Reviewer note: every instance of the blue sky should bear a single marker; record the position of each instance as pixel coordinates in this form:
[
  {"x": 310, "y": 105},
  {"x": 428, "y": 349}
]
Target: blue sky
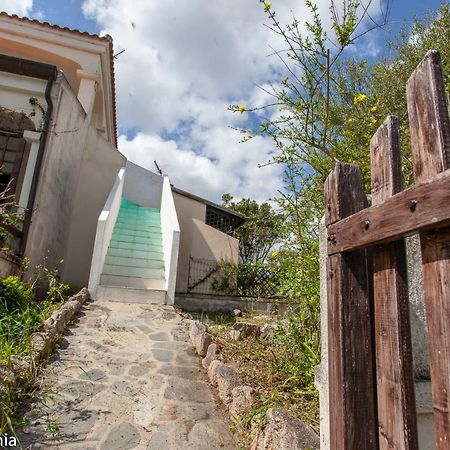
[{"x": 185, "y": 61}]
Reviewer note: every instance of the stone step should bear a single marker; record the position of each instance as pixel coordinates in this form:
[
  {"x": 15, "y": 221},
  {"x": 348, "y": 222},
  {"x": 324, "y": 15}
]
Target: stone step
[
  {"x": 130, "y": 295},
  {"x": 132, "y": 282},
  {"x": 144, "y": 272},
  {"x": 134, "y": 262}
]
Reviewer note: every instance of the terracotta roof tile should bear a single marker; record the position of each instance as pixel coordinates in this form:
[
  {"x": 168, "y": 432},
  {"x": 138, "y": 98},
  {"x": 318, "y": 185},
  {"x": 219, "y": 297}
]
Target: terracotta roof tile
[
  {"x": 54, "y": 26},
  {"x": 106, "y": 38}
]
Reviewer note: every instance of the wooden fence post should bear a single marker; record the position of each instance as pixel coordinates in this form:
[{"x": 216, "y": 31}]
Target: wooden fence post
[
  {"x": 353, "y": 416},
  {"x": 395, "y": 381},
  {"x": 430, "y": 139}
]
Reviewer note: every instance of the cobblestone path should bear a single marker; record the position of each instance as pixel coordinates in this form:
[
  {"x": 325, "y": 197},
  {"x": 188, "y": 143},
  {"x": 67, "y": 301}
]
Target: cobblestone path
[{"x": 125, "y": 378}]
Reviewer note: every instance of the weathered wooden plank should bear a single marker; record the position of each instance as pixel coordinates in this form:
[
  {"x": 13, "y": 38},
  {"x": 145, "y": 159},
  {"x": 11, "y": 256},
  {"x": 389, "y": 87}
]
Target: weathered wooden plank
[
  {"x": 430, "y": 139},
  {"x": 428, "y": 118},
  {"x": 353, "y": 422},
  {"x": 422, "y": 207},
  {"x": 395, "y": 384}
]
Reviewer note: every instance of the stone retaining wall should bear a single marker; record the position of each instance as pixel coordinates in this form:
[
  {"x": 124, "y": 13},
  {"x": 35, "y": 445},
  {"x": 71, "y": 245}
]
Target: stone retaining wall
[
  {"x": 280, "y": 431},
  {"x": 224, "y": 304},
  {"x": 43, "y": 343}
]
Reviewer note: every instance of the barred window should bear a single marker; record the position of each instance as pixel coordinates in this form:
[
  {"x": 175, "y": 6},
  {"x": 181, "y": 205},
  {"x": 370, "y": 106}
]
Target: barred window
[{"x": 220, "y": 220}]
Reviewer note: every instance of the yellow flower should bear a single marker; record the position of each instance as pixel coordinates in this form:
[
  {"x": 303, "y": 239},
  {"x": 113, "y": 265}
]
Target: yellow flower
[
  {"x": 373, "y": 121},
  {"x": 359, "y": 98},
  {"x": 267, "y": 6},
  {"x": 350, "y": 120},
  {"x": 274, "y": 254},
  {"x": 241, "y": 109},
  {"x": 373, "y": 109}
]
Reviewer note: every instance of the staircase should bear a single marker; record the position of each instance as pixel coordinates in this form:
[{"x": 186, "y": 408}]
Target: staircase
[{"x": 134, "y": 263}]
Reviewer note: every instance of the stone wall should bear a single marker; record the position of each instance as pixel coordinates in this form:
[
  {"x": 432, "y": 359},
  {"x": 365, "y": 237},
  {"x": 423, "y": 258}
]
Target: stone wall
[
  {"x": 225, "y": 304},
  {"x": 279, "y": 430},
  {"x": 419, "y": 342},
  {"x": 9, "y": 263}
]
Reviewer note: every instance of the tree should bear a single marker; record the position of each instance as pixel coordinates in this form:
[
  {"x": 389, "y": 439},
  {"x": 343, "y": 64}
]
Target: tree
[
  {"x": 261, "y": 231},
  {"x": 329, "y": 105}
]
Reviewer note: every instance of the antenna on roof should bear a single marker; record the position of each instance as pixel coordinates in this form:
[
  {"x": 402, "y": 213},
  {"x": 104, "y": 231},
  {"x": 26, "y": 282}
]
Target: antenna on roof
[
  {"x": 157, "y": 167},
  {"x": 118, "y": 54}
]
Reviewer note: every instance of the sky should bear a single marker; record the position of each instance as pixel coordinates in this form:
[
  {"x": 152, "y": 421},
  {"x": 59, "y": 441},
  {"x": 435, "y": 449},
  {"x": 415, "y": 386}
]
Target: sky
[{"x": 184, "y": 62}]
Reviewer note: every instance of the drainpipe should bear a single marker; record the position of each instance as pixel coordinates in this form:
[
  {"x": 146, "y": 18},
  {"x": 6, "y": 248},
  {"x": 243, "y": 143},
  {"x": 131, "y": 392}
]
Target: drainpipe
[
  {"x": 39, "y": 159},
  {"x": 42, "y": 71}
]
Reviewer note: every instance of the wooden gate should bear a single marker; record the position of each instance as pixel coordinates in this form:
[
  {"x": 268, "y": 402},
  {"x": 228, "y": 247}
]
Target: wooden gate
[{"x": 370, "y": 359}]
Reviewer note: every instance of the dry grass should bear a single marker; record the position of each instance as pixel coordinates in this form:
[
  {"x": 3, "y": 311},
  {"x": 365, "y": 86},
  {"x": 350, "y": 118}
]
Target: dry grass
[{"x": 280, "y": 369}]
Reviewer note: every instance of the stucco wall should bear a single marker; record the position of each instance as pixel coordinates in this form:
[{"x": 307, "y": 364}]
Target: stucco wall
[
  {"x": 198, "y": 239},
  {"x": 56, "y": 192},
  {"x": 171, "y": 239},
  {"x": 100, "y": 165},
  {"x": 187, "y": 209},
  {"x": 210, "y": 243},
  {"x": 142, "y": 186},
  {"x": 16, "y": 92}
]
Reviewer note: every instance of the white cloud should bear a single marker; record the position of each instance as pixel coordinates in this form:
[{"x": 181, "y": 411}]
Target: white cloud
[
  {"x": 184, "y": 63},
  {"x": 224, "y": 166},
  {"x": 19, "y": 7}
]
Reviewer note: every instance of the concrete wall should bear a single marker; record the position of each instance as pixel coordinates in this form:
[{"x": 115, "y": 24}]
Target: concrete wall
[
  {"x": 85, "y": 61},
  {"x": 60, "y": 172},
  {"x": 104, "y": 230},
  {"x": 170, "y": 239},
  {"x": 100, "y": 164},
  {"x": 16, "y": 92},
  {"x": 187, "y": 209},
  {"x": 78, "y": 171},
  {"x": 419, "y": 341},
  {"x": 142, "y": 186},
  {"x": 210, "y": 243},
  {"x": 198, "y": 239}
]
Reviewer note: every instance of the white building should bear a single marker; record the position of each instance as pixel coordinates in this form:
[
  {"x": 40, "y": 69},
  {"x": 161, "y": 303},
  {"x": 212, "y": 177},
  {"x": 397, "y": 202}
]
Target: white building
[{"x": 115, "y": 224}]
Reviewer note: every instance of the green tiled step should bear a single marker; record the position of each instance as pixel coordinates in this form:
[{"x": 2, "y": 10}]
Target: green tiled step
[
  {"x": 109, "y": 269},
  {"x": 135, "y": 252},
  {"x": 139, "y": 226},
  {"x": 125, "y": 203},
  {"x": 153, "y": 247},
  {"x": 153, "y": 227},
  {"x": 139, "y": 214},
  {"x": 120, "y": 231},
  {"x": 134, "y": 207},
  {"x": 136, "y": 220},
  {"x": 146, "y": 240},
  {"x": 134, "y": 262},
  {"x": 130, "y": 253}
]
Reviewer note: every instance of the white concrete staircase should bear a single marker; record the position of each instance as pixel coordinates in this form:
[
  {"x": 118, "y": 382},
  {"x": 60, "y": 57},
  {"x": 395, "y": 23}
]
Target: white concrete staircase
[{"x": 133, "y": 270}]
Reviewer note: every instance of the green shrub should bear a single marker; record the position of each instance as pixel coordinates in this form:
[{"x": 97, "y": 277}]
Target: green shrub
[{"x": 14, "y": 294}]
